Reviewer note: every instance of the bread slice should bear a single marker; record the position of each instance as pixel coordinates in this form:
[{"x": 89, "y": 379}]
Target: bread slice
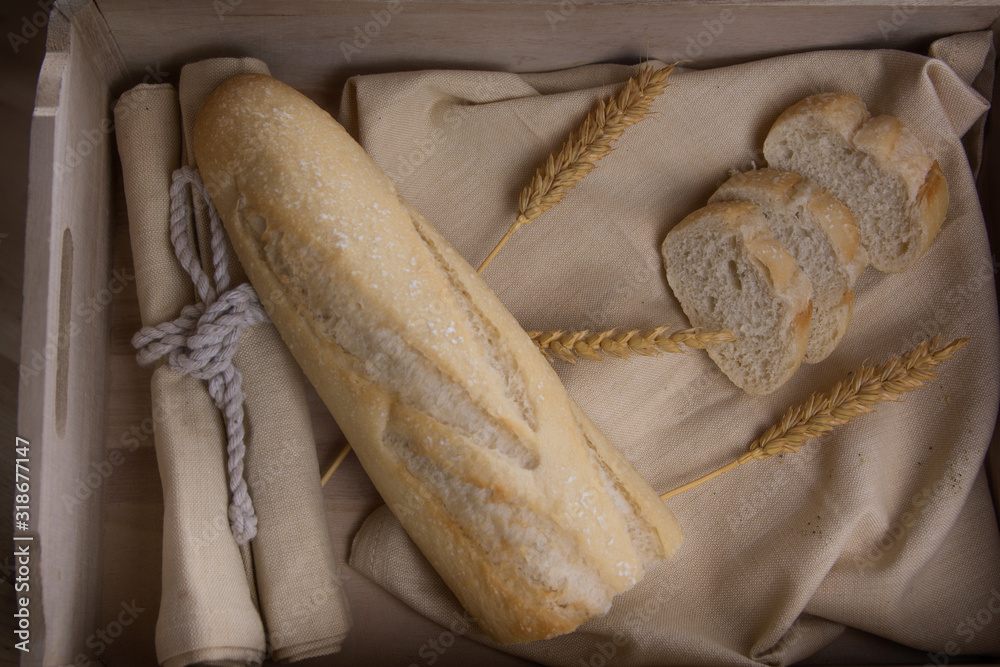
[
  {"x": 821, "y": 235},
  {"x": 728, "y": 272},
  {"x": 896, "y": 191}
]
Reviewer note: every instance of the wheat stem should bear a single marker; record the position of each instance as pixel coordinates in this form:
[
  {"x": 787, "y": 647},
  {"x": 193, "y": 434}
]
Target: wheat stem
[
  {"x": 589, "y": 143},
  {"x": 701, "y": 480},
  {"x": 336, "y": 464},
  {"x": 849, "y": 398},
  {"x": 499, "y": 246},
  {"x": 572, "y": 345}
]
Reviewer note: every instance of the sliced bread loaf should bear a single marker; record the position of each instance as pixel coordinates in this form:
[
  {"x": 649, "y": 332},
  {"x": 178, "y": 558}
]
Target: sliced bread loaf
[
  {"x": 728, "y": 272},
  {"x": 820, "y": 233},
  {"x": 876, "y": 166}
]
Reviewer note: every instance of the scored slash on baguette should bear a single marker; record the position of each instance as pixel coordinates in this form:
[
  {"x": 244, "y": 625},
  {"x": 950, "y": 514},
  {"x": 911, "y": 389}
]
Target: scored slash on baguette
[
  {"x": 820, "y": 233},
  {"x": 728, "y": 272},
  {"x": 876, "y": 166}
]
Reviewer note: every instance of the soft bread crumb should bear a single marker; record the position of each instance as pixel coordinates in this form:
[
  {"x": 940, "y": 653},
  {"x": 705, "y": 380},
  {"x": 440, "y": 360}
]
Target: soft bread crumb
[
  {"x": 728, "y": 272},
  {"x": 820, "y": 233},
  {"x": 876, "y": 166}
]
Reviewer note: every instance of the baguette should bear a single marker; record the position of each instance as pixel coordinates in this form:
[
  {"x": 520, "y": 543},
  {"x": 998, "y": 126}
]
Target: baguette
[
  {"x": 518, "y": 501},
  {"x": 876, "y": 166},
  {"x": 728, "y": 272},
  {"x": 821, "y": 235}
]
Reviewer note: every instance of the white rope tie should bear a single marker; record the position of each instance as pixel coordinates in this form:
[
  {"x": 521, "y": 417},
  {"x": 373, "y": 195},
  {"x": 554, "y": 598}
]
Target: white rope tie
[{"x": 202, "y": 341}]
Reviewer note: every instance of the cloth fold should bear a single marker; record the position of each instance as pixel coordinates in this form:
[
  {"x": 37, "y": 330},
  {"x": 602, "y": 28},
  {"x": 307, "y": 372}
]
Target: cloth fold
[{"x": 887, "y": 525}]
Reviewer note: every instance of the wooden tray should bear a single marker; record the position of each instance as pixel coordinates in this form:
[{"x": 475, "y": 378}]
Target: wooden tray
[{"x": 85, "y": 403}]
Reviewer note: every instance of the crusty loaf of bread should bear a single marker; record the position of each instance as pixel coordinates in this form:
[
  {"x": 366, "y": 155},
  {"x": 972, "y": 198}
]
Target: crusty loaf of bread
[
  {"x": 728, "y": 272},
  {"x": 518, "y": 501},
  {"x": 820, "y": 233},
  {"x": 876, "y": 166}
]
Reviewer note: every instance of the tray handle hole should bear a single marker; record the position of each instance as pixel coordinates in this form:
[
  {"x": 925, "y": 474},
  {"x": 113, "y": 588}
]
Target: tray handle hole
[{"x": 63, "y": 337}]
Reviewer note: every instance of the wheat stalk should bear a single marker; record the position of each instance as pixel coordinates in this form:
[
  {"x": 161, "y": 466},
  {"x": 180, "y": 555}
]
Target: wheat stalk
[
  {"x": 579, "y": 155},
  {"x": 336, "y": 464},
  {"x": 572, "y": 345},
  {"x": 846, "y": 400}
]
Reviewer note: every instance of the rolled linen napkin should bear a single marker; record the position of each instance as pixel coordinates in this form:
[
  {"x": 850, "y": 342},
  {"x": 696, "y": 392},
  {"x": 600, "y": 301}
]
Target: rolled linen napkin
[
  {"x": 301, "y": 600},
  {"x": 207, "y": 611}
]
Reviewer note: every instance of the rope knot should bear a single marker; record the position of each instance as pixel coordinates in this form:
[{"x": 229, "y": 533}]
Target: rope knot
[{"x": 203, "y": 339}]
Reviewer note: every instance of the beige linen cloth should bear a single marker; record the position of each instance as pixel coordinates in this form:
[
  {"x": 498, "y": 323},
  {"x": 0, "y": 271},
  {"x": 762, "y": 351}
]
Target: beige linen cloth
[
  {"x": 211, "y": 586},
  {"x": 887, "y": 525}
]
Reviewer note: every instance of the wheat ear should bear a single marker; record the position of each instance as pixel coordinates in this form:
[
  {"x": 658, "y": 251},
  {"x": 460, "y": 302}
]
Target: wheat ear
[
  {"x": 848, "y": 399},
  {"x": 572, "y": 345},
  {"x": 579, "y": 155}
]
